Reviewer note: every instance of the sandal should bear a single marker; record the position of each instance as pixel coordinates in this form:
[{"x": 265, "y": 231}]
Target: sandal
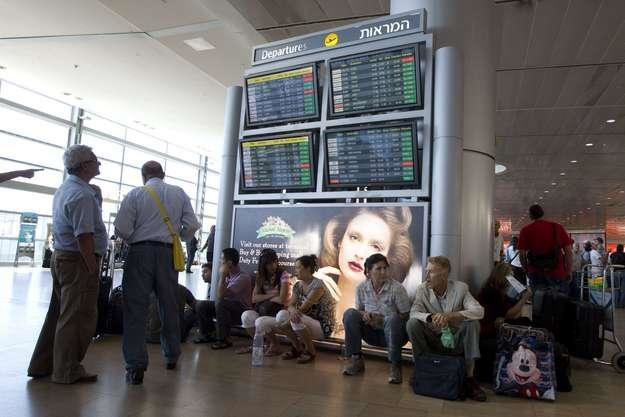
[
  {"x": 243, "y": 350},
  {"x": 306, "y": 357},
  {"x": 291, "y": 354},
  {"x": 272, "y": 351},
  {"x": 222, "y": 344}
]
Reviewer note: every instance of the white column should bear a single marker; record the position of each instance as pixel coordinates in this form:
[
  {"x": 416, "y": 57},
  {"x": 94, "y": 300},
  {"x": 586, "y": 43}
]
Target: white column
[
  {"x": 467, "y": 25},
  {"x": 223, "y": 225}
]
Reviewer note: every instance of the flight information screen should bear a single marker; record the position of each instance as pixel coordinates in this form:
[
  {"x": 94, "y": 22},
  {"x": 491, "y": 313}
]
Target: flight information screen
[
  {"x": 372, "y": 156},
  {"x": 277, "y": 163},
  {"x": 282, "y": 96},
  {"x": 373, "y": 82}
]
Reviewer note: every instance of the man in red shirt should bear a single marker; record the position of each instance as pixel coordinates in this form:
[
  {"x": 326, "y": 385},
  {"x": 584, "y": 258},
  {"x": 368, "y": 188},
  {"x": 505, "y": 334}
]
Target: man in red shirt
[{"x": 546, "y": 252}]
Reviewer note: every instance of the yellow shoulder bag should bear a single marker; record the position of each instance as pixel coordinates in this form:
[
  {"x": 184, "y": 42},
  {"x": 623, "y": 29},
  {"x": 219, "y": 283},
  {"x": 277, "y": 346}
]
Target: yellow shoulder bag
[{"x": 179, "y": 262}]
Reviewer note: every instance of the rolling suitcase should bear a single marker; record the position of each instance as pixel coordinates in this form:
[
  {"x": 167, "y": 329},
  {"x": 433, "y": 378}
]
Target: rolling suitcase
[
  {"x": 525, "y": 365},
  {"x": 586, "y": 320},
  {"x": 549, "y": 311}
]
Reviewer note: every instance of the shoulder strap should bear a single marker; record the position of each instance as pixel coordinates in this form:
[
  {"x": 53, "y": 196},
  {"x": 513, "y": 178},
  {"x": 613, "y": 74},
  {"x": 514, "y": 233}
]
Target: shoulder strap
[{"x": 161, "y": 208}]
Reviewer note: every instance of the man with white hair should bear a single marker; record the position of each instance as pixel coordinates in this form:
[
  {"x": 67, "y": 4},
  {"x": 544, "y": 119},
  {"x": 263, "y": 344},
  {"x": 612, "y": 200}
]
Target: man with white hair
[{"x": 80, "y": 240}]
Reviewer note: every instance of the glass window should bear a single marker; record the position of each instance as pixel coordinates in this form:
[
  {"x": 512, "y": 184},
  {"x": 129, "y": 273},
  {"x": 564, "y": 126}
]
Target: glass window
[
  {"x": 212, "y": 180},
  {"x": 20, "y": 201},
  {"x": 136, "y": 157},
  {"x": 110, "y": 190},
  {"x": 211, "y": 195},
  {"x": 147, "y": 141},
  {"x": 210, "y": 210},
  {"x": 103, "y": 125},
  {"x": 184, "y": 154},
  {"x": 36, "y": 101},
  {"x": 110, "y": 170},
  {"x": 181, "y": 170},
  {"x": 104, "y": 148},
  {"x": 132, "y": 176},
  {"x": 33, "y": 127},
  {"x": 25, "y": 150}
]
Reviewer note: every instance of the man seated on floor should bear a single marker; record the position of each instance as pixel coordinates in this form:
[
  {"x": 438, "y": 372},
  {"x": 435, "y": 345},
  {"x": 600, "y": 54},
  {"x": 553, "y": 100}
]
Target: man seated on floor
[
  {"x": 186, "y": 316},
  {"x": 440, "y": 303},
  {"x": 382, "y": 307},
  {"x": 207, "y": 272},
  {"x": 234, "y": 296}
]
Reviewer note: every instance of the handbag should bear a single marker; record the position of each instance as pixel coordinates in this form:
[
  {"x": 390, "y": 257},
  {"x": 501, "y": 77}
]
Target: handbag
[
  {"x": 439, "y": 376},
  {"x": 178, "y": 254}
]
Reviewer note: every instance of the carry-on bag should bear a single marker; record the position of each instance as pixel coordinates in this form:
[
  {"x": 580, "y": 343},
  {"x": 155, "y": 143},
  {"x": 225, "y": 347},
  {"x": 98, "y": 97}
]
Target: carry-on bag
[
  {"x": 439, "y": 376},
  {"x": 525, "y": 364},
  {"x": 549, "y": 309},
  {"x": 586, "y": 319}
]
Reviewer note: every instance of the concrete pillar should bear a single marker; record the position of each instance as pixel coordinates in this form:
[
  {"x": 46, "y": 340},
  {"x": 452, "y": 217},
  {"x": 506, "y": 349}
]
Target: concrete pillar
[
  {"x": 467, "y": 25},
  {"x": 223, "y": 224}
]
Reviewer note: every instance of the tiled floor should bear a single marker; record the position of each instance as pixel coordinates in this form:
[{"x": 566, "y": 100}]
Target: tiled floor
[{"x": 220, "y": 383}]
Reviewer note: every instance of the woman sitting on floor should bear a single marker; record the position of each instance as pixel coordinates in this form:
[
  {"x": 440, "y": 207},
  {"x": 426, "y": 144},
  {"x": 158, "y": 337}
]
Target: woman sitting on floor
[
  {"x": 272, "y": 293},
  {"x": 310, "y": 315}
]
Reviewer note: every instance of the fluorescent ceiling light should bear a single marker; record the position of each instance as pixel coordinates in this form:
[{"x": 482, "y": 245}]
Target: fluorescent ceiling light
[
  {"x": 199, "y": 44},
  {"x": 562, "y": 173},
  {"x": 499, "y": 169},
  {"x": 610, "y": 121},
  {"x": 589, "y": 144},
  {"x": 574, "y": 161}
]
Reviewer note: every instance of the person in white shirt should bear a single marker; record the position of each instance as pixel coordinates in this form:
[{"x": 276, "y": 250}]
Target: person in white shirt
[
  {"x": 596, "y": 260},
  {"x": 442, "y": 303},
  {"x": 514, "y": 259},
  {"x": 149, "y": 266}
]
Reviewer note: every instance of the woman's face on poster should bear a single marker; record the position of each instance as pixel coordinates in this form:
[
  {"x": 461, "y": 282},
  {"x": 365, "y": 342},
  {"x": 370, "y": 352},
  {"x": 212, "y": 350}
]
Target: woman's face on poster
[{"x": 365, "y": 235}]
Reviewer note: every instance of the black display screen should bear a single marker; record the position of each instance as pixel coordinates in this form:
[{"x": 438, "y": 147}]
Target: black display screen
[
  {"x": 372, "y": 156},
  {"x": 277, "y": 163},
  {"x": 374, "y": 82},
  {"x": 289, "y": 95}
]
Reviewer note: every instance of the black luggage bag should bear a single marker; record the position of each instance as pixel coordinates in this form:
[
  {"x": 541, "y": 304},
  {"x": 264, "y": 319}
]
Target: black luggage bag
[
  {"x": 586, "y": 336},
  {"x": 549, "y": 311},
  {"x": 439, "y": 376}
]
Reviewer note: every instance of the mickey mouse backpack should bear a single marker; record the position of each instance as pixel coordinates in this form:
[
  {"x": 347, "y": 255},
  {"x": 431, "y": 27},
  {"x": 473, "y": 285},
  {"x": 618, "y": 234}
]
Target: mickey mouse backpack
[{"x": 525, "y": 364}]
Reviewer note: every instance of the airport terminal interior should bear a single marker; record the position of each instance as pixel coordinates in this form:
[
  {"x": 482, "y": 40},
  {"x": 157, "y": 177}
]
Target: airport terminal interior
[{"x": 281, "y": 119}]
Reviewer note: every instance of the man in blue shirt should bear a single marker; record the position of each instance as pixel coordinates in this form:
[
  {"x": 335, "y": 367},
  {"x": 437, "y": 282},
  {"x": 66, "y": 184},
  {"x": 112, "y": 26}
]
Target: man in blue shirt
[{"x": 79, "y": 242}]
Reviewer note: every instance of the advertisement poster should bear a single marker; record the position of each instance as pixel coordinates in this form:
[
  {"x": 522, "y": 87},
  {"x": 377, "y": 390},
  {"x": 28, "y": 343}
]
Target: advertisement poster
[{"x": 341, "y": 236}]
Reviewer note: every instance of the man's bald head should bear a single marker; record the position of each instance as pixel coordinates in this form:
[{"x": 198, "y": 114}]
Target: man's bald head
[{"x": 152, "y": 169}]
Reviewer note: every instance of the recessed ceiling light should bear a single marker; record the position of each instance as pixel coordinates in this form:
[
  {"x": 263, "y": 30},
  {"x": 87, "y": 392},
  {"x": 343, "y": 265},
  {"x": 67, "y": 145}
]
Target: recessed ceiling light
[
  {"x": 499, "y": 169},
  {"x": 199, "y": 44},
  {"x": 610, "y": 121},
  {"x": 540, "y": 198},
  {"x": 622, "y": 191},
  {"x": 574, "y": 161},
  {"x": 597, "y": 204},
  {"x": 589, "y": 144},
  {"x": 563, "y": 173},
  {"x": 546, "y": 191},
  {"x": 609, "y": 198},
  {"x": 553, "y": 183}
]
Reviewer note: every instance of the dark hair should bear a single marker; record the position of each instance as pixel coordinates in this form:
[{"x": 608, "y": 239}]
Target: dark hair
[
  {"x": 599, "y": 239},
  {"x": 513, "y": 242},
  {"x": 374, "y": 259},
  {"x": 536, "y": 212},
  {"x": 587, "y": 246},
  {"x": 308, "y": 262},
  {"x": 267, "y": 256},
  {"x": 619, "y": 247},
  {"x": 497, "y": 280},
  {"x": 208, "y": 265},
  {"x": 231, "y": 254}
]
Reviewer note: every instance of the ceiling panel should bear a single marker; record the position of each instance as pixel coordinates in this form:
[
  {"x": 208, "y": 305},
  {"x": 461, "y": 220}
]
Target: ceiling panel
[
  {"x": 515, "y": 31},
  {"x": 605, "y": 25},
  {"x": 546, "y": 23},
  {"x": 574, "y": 29}
]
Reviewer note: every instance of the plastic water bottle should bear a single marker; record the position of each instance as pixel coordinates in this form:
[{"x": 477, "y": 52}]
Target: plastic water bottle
[
  {"x": 447, "y": 338},
  {"x": 258, "y": 354}
]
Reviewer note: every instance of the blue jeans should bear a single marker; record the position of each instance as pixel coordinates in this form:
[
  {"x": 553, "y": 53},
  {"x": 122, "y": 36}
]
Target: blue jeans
[
  {"x": 147, "y": 269},
  {"x": 539, "y": 281},
  {"x": 393, "y": 335}
]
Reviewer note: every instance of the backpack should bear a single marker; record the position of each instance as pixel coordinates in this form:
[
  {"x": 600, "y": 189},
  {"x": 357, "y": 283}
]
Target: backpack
[{"x": 547, "y": 261}]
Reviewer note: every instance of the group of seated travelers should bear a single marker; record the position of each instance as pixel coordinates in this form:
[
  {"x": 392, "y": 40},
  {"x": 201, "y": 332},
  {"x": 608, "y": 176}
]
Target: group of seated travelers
[{"x": 302, "y": 309}]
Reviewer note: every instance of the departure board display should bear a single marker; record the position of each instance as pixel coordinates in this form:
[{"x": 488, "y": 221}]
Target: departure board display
[
  {"x": 374, "y": 82},
  {"x": 372, "y": 156},
  {"x": 277, "y": 163},
  {"x": 282, "y": 96}
]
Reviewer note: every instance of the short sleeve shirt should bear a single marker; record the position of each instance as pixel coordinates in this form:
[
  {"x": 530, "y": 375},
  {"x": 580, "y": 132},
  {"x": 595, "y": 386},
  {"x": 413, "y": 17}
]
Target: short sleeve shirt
[
  {"x": 537, "y": 238},
  {"x": 392, "y": 299},
  {"x": 76, "y": 211},
  {"x": 323, "y": 310}
]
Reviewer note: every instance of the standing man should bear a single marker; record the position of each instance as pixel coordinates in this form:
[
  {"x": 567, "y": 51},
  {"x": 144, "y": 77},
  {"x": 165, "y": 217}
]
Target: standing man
[
  {"x": 546, "y": 252},
  {"x": 79, "y": 242},
  {"x": 209, "y": 245},
  {"x": 149, "y": 265},
  {"x": 191, "y": 249},
  {"x": 497, "y": 244}
]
